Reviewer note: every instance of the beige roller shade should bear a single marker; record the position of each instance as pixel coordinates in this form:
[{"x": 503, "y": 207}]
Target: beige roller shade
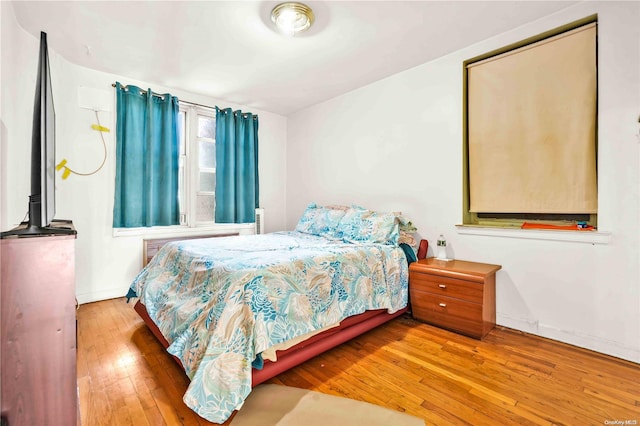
[{"x": 532, "y": 127}]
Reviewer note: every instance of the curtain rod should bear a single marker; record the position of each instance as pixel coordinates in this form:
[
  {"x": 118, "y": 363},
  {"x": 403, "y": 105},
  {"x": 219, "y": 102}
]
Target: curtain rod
[
  {"x": 124, "y": 86},
  {"x": 186, "y": 102}
]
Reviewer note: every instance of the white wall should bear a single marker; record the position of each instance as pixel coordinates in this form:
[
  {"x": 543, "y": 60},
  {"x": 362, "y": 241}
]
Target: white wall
[
  {"x": 397, "y": 145},
  {"x": 105, "y": 265},
  {"x": 15, "y": 118}
]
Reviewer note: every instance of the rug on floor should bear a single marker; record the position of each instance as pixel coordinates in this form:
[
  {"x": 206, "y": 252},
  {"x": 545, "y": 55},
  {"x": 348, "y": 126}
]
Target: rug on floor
[{"x": 271, "y": 405}]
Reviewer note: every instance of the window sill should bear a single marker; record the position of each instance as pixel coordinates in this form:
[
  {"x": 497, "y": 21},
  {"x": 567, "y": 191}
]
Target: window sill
[
  {"x": 589, "y": 237},
  {"x": 178, "y": 231}
]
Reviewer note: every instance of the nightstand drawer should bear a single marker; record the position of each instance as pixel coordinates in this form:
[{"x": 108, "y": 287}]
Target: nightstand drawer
[
  {"x": 458, "y": 295},
  {"x": 454, "y": 314},
  {"x": 444, "y": 286}
]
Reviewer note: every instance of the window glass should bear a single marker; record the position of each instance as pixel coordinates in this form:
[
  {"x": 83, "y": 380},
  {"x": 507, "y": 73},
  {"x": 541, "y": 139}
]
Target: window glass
[
  {"x": 207, "y": 154},
  {"x": 205, "y": 208},
  {"x": 182, "y": 116},
  {"x": 206, "y": 127},
  {"x": 196, "y": 167},
  {"x": 207, "y": 182},
  {"x": 182, "y": 200}
]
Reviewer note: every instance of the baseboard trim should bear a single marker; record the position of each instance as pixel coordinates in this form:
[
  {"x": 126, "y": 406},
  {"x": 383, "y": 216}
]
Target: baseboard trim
[
  {"x": 585, "y": 341},
  {"x": 97, "y": 296},
  {"x": 597, "y": 344}
]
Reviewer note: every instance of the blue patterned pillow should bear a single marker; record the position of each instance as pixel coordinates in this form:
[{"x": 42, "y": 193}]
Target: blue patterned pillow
[
  {"x": 365, "y": 226},
  {"x": 318, "y": 220}
]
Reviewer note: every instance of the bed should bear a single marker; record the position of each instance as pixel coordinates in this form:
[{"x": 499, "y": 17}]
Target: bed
[{"x": 236, "y": 311}]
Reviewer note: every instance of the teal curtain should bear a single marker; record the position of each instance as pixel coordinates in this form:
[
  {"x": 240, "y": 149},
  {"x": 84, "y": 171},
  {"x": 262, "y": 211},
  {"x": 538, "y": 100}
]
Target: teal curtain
[
  {"x": 237, "y": 189},
  {"x": 147, "y": 156}
]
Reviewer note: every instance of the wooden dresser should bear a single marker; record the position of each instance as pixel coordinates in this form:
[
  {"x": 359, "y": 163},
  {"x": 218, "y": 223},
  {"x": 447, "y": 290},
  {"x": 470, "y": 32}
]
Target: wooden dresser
[
  {"x": 39, "y": 380},
  {"x": 456, "y": 295}
]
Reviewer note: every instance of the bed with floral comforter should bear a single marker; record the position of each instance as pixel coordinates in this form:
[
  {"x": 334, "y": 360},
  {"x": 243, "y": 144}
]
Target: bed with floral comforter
[{"x": 220, "y": 302}]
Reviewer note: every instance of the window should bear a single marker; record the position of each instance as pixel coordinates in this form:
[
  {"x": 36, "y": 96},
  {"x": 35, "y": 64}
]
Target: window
[
  {"x": 530, "y": 119},
  {"x": 197, "y": 165},
  {"x": 198, "y": 173}
]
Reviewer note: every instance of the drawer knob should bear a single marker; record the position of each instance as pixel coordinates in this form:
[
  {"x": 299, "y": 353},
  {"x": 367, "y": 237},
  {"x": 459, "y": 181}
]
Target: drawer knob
[
  {"x": 443, "y": 305},
  {"x": 442, "y": 286}
]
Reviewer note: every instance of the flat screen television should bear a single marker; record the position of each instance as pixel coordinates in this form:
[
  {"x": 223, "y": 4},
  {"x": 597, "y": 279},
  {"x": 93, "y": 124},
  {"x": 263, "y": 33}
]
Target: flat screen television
[{"x": 42, "y": 204}]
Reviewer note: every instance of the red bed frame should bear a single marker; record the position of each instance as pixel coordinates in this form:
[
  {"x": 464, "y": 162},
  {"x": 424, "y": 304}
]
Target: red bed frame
[{"x": 347, "y": 330}]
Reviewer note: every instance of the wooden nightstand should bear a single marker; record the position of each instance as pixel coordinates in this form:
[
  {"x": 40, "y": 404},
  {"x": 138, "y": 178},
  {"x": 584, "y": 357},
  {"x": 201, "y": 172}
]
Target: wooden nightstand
[{"x": 456, "y": 295}]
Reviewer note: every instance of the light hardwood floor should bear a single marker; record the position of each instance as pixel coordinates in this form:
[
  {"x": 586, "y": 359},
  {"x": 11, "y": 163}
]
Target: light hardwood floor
[{"x": 126, "y": 378}]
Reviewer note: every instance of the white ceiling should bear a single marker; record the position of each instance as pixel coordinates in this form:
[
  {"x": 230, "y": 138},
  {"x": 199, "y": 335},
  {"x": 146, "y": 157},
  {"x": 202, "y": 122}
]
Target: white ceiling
[{"x": 230, "y": 51}]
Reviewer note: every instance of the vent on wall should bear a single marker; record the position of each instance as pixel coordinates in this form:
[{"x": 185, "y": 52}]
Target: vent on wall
[{"x": 259, "y": 221}]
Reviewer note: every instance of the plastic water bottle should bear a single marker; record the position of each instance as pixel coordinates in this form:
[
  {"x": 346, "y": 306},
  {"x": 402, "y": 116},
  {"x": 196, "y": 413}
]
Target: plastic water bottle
[{"x": 441, "y": 248}]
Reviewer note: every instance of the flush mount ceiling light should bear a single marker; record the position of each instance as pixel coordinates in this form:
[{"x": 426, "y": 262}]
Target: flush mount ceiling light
[{"x": 292, "y": 18}]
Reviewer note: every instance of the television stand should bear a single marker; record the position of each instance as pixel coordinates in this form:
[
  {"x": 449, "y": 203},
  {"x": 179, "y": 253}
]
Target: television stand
[
  {"x": 56, "y": 227},
  {"x": 38, "y": 329}
]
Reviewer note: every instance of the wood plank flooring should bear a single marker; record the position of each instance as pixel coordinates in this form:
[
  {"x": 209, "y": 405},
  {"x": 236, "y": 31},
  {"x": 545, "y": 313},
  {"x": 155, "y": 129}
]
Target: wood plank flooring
[{"x": 125, "y": 377}]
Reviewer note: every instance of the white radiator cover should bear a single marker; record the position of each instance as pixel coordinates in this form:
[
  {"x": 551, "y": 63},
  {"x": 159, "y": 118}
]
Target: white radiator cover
[{"x": 259, "y": 221}]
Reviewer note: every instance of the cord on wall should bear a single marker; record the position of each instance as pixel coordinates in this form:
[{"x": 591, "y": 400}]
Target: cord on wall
[{"x": 66, "y": 170}]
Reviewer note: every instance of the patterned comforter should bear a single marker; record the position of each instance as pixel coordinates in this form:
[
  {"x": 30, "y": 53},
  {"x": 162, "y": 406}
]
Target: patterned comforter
[{"x": 220, "y": 302}]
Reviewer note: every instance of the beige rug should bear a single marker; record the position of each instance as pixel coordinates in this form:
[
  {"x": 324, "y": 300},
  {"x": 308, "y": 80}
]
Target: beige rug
[{"x": 270, "y": 405}]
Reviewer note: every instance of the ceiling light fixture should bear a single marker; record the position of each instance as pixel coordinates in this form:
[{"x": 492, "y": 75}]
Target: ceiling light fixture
[{"x": 292, "y": 18}]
